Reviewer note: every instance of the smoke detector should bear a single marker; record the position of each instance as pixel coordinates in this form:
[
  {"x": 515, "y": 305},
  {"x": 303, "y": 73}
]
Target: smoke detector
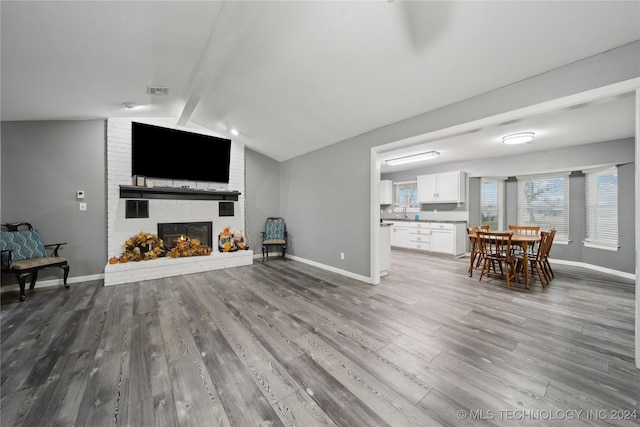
[{"x": 158, "y": 91}]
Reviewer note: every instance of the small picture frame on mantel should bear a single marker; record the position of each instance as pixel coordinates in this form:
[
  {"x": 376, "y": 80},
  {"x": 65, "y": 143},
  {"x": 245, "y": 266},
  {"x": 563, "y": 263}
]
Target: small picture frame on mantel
[{"x": 139, "y": 180}]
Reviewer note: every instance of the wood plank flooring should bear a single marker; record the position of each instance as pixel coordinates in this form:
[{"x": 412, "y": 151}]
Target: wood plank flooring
[{"x": 286, "y": 344}]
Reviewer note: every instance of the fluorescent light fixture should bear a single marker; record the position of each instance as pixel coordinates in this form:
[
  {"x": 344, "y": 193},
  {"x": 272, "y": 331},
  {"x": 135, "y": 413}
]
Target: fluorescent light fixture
[
  {"x": 413, "y": 158},
  {"x": 518, "y": 138}
]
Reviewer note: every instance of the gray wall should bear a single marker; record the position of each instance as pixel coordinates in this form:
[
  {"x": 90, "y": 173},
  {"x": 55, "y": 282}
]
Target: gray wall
[
  {"x": 572, "y": 159},
  {"x": 262, "y": 194},
  {"x": 326, "y": 193},
  {"x": 325, "y": 199},
  {"x": 43, "y": 165}
]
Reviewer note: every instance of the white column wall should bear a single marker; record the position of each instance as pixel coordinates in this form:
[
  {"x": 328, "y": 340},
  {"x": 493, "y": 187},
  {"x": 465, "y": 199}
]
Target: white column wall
[{"x": 119, "y": 228}]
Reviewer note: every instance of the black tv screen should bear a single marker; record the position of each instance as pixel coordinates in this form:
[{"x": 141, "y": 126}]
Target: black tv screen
[{"x": 165, "y": 153}]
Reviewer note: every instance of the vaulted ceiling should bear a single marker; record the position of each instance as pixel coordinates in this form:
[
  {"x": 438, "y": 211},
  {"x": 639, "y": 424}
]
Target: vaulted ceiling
[{"x": 290, "y": 76}]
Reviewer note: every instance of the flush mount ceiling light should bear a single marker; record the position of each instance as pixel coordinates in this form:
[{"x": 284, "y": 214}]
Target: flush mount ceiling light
[
  {"x": 128, "y": 105},
  {"x": 518, "y": 138},
  {"x": 413, "y": 158},
  {"x": 234, "y": 132}
]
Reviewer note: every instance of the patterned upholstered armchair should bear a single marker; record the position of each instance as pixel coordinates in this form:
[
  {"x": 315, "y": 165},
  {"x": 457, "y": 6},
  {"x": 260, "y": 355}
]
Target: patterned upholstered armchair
[
  {"x": 274, "y": 235},
  {"x": 22, "y": 253}
]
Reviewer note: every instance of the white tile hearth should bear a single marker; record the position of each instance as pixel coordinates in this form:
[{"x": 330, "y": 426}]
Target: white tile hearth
[{"x": 137, "y": 271}]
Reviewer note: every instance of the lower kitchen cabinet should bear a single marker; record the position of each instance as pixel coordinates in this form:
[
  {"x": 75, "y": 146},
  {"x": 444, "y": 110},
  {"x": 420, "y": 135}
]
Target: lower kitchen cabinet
[
  {"x": 400, "y": 234},
  {"x": 439, "y": 237},
  {"x": 419, "y": 236}
]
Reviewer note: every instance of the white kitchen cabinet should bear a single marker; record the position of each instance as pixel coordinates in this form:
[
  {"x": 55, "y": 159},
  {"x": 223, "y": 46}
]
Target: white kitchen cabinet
[
  {"x": 400, "y": 234},
  {"x": 438, "y": 237},
  {"x": 446, "y": 187},
  {"x": 410, "y": 235},
  {"x": 448, "y": 238},
  {"x": 386, "y": 192},
  {"x": 442, "y": 239},
  {"x": 427, "y": 188},
  {"x": 419, "y": 235}
]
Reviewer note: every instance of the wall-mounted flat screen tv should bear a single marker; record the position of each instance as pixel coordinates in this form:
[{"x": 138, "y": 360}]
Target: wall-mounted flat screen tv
[{"x": 165, "y": 153}]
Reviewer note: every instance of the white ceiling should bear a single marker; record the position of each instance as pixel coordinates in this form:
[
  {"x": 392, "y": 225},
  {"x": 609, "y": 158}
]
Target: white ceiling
[
  {"x": 295, "y": 76},
  {"x": 602, "y": 120}
]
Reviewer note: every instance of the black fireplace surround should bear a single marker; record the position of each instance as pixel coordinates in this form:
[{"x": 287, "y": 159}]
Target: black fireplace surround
[{"x": 170, "y": 232}]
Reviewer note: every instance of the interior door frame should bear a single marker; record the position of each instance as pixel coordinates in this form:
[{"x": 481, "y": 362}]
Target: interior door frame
[{"x": 621, "y": 88}]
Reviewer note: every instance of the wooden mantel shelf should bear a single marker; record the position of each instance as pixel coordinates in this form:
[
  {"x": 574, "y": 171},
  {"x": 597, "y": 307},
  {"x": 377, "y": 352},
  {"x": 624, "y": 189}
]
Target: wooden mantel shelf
[{"x": 135, "y": 192}]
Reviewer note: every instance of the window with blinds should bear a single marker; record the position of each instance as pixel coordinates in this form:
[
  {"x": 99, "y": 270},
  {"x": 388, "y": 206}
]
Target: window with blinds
[
  {"x": 601, "y": 197},
  {"x": 492, "y": 192},
  {"x": 543, "y": 200},
  {"x": 406, "y": 196}
]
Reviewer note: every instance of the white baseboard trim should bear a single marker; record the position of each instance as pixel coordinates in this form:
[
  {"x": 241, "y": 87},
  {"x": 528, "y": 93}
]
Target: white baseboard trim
[
  {"x": 79, "y": 279},
  {"x": 590, "y": 267},
  {"x": 332, "y": 269},
  {"x": 54, "y": 282},
  {"x": 595, "y": 268}
]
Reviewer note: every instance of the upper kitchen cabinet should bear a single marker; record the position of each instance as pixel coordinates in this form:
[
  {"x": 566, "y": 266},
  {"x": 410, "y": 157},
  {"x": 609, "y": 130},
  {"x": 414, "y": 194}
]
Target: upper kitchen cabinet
[
  {"x": 386, "y": 192},
  {"x": 446, "y": 187}
]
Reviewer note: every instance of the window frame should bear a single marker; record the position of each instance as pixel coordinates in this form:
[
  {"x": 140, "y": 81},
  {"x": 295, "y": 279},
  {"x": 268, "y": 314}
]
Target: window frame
[
  {"x": 524, "y": 209},
  {"x": 591, "y": 190},
  {"x": 400, "y": 207},
  {"x": 501, "y": 200}
]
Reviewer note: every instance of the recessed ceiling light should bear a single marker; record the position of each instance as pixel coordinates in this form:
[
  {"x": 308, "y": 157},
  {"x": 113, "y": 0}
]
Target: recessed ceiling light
[
  {"x": 128, "y": 105},
  {"x": 413, "y": 158},
  {"x": 518, "y": 138},
  {"x": 234, "y": 132}
]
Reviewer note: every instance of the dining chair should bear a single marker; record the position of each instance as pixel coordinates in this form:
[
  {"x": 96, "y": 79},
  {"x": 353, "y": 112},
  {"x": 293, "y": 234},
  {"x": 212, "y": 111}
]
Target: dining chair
[
  {"x": 536, "y": 260},
  {"x": 525, "y": 229},
  {"x": 474, "y": 258},
  {"x": 473, "y": 251},
  {"x": 495, "y": 249},
  {"x": 545, "y": 256}
]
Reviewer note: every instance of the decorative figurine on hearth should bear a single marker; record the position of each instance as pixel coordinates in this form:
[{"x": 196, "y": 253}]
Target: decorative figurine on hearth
[
  {"x": 239, "y": 241},
  {"x": 225, "y": 241}
]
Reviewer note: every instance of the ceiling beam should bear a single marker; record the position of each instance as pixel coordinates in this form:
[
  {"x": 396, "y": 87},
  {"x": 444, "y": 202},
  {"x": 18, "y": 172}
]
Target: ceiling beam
[{"x": 229, "y": 25}]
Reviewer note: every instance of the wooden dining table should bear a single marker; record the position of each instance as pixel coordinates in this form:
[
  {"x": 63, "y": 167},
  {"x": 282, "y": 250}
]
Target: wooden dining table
[{"x": 522, "y": 240}]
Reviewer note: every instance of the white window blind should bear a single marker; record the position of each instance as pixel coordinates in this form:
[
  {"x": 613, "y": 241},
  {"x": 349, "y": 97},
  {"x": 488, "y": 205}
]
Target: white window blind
[
  {"x": 406, "y": 196},
  {"x": 601, "y": 196},
  {"x": 543, "y": 200},
  {"x": 492, "y": 192}
]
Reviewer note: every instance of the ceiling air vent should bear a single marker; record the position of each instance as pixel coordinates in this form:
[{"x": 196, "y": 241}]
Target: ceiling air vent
[{"x": 160, "y": 91}]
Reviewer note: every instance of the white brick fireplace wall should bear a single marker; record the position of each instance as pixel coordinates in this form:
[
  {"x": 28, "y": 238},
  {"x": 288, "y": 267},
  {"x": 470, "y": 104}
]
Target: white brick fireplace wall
[{"x": 119, "y": 228}]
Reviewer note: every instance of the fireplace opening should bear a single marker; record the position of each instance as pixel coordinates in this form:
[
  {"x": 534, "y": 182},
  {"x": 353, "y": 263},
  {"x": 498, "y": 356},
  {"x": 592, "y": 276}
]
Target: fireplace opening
[{"x": 171, "y": 232}]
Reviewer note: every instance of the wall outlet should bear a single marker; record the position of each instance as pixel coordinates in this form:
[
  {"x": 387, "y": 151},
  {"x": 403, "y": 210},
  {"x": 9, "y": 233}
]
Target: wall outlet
[
  {"x": 82, "y": 206},
  {"x": 341, "y": 255}
]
